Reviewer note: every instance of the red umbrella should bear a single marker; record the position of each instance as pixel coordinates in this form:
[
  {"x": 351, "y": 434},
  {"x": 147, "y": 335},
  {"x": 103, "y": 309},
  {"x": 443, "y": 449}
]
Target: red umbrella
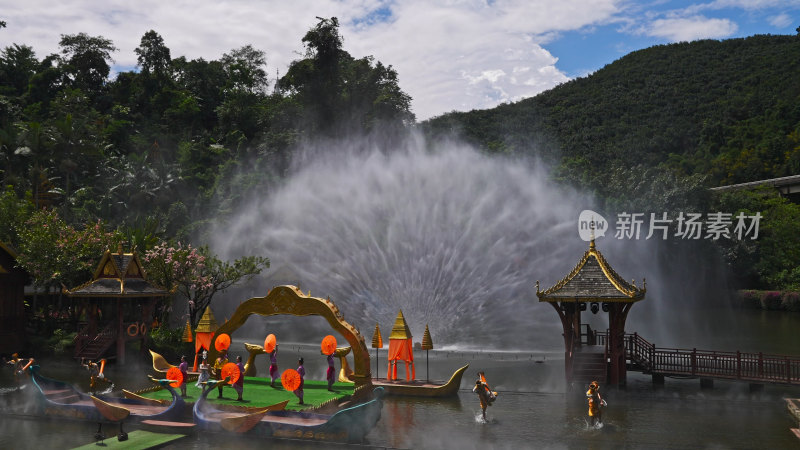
[
  {"x": 269, "y": 343},
  {"x": 231, "y": 370},
  {"x": 290, "y": 379},
  {"x": 328, "y": 345},
  {"x": 223, "y": 342},
  {"x": 175, "y": 374}
]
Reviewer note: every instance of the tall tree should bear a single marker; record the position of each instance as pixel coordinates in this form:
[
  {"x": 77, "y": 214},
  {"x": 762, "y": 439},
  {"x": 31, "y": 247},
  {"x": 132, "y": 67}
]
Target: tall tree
[
  {"x": 153, "y": 56},
  {"x": 246, "y": 70},
  {"x": 336, "y": 90},
  {"x": 87, "y": 60},
  {"x": 18, "y": 63}
]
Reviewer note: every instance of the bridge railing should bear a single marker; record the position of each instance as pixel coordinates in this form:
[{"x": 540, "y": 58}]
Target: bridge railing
[{"x": 747, "y": 366}]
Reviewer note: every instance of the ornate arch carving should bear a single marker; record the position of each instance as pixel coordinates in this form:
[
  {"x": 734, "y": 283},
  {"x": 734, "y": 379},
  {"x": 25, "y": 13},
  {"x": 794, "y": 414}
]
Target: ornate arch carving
[{"x": 291, "y": 300}]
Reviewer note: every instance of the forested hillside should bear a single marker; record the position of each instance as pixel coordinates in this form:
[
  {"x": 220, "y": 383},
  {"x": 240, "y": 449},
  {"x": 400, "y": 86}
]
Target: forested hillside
[
  {"x": 655, "y": 129},
  {"x": 726, "y": 109}
]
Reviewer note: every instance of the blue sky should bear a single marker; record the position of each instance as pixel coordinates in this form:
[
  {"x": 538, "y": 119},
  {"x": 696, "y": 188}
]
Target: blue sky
[
  {"x": 449, "y": 54},
  {"x": 589, "y": 48}
]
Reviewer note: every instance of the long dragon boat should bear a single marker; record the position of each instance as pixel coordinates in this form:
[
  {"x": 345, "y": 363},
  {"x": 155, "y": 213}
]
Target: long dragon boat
[
  {"x": 418, "y": 388},
  {"x": 347, "y": 425},
  {"x": 60, "y": 399}
]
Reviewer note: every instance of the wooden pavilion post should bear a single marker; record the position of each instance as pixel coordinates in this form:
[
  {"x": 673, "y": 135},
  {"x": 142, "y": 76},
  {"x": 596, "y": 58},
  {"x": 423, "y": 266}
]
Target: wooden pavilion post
[
  {"x": 120, "y": 332},
  {"x": 617, "y": 315}
]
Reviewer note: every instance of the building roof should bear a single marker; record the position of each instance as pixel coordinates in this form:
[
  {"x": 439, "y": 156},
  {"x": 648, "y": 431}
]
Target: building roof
[
  {"x": 774, "y": 182},
  {"x": 592, "y": 280},
  {"x": 118, "y": 275}
]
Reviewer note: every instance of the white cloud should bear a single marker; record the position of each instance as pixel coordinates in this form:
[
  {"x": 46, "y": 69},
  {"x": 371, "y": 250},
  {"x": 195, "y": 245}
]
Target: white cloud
[
  {"x": 690, "y": 28},
  {"x": 430, "y": 43},
  {"x": 780, "y": 21},
  {"x": 750, "y": 4}
]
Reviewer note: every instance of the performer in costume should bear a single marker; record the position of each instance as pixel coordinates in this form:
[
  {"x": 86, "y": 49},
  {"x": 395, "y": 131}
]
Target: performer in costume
[
  {"x": 184, "y": 367},
  {"x": 19, "y": 366},
  {"x": 492, "y": 394},
  {"x": 94, "y": 373},
  {"x": 483, "y": 396},
  {"x": 204, "y": 375},
  {"x": 222, "y": 359},
  {"x": 273, "y": 365},
  {"x": 595, "y": 402},
  {"x": 239, "y": 385},
  {"x": 302, "y": 371},
  {"x": 331, "y": 375}
]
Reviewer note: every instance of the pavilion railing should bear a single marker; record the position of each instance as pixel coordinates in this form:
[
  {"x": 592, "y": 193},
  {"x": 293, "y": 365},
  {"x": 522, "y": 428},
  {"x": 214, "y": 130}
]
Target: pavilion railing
[
  {"x": 104, "y": 338},
  {"x": 745, "y": 366}
]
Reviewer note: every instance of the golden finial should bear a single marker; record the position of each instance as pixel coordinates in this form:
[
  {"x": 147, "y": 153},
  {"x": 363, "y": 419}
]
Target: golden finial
[
  {"x": 427, "y": 342},
  {"x": 537, "y": 286},
  {"x": 377, "y": 339},
  {"x": 187, "y": 332}
]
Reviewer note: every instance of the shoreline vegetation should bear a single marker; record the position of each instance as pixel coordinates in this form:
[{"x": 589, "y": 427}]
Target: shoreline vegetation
[{"x": 768, "y": 300}]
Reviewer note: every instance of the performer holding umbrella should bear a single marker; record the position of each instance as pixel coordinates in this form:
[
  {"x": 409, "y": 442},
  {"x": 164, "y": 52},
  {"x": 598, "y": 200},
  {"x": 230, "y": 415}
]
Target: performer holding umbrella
[
  {"x": 271, "y": 347},
  {"x": 222, "y": 343},
  {"x": 328, "y": 347}
]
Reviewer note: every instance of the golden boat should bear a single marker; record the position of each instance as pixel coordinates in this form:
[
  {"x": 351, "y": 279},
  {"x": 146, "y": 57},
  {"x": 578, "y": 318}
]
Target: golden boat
[{"x": 418, "y": 388}]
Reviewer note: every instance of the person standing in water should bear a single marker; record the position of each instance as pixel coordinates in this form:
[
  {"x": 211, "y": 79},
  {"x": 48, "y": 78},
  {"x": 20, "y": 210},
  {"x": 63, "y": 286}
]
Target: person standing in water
[
  {"x": 94, "y": 373},
  {"x": 302, "y": 371},
  {"x": 483, "y": 396},
  {"x": 595, "y": 402},
  {"x": 273, "y": 365}
]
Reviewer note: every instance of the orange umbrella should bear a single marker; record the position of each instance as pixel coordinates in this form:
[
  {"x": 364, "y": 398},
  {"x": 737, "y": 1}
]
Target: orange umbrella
[
  {"x": 223, "y": 342},
  {"x": 328, "y": 345},
  {"x": 175, "y": 374},
  {"x": 231, "y": 370},
  {"x": 290, "y": 379},
  {"x": 269, "y": 343}
]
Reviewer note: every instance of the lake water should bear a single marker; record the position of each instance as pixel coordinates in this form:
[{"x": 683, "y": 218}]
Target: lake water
[{"x": 534, "y": 409}]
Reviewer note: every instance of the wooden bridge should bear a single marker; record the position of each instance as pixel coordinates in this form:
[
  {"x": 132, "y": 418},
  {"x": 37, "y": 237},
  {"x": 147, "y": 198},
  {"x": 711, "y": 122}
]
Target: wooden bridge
[{"x": 755, "y": 368}]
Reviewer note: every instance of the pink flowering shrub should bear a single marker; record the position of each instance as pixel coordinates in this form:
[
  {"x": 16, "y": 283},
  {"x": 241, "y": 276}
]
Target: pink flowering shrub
[
  {"x": 55, "y": 253},
  {"x": 790, "y": 301},
  {"x": 196, "y": 275},
  {"x": 771, "y": 300}
]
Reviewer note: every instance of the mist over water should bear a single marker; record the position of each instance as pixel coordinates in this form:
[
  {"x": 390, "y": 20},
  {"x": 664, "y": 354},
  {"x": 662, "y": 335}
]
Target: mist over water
[
  {"x": 456, "y": 239},
  {"x": 453, "y": 238}
]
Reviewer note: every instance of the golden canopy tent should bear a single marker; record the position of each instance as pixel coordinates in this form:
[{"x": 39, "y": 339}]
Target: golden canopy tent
[
  {"x": 400, "y": 348},
  {"x": 204, "y": 333}
]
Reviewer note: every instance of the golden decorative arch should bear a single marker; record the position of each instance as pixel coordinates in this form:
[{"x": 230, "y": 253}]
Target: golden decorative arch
[{"x": 291, "y": 300}]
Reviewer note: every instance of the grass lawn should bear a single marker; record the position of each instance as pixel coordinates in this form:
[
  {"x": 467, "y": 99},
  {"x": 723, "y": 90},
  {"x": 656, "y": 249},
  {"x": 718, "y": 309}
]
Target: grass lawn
[{"x": 257, "y": 392}]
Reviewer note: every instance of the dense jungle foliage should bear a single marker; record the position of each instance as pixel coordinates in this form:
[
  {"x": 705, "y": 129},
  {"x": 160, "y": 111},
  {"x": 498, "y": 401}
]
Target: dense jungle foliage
[
  {"x": 155, "y": 153},
  {"x": 177, "y": 141},
  {"x": 652, "y": 131}
]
